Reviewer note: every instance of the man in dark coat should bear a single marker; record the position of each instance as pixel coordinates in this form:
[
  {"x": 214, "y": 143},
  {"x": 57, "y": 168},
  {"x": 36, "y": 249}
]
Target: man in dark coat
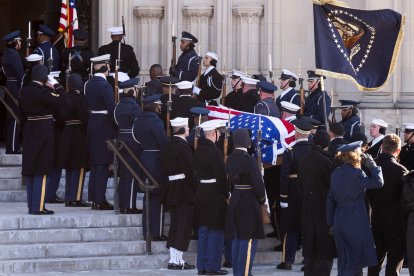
[
  {"x": 187, "y": 65},
  {"x": 46, "y": 49},
  {"x": 14, "y": 71},
  {"x": 126, "y": 112},
  {"x": 314, "y": 173},
  {"x": 266, "y": 105},
  {"x": 73, "y": 146},
  {"x": 154, "y": 86},
  {"x": 233, "y": 98},
  {"x": 101, "y": 127},
  {"x": 288, "y": 84},
  {"x": 290, "y": 197},
  {"x": 210, "y": 202},
  {"x": 408, "y": 206},
  {"x": 377, "y": 131},
  {"x": 129, "y": 63},
  {"x": 350, "y": 118},
  {"x": 38, "y": 102},
  {"x": 387, "y": 217},
  {"x": 211, "y": 81},
  {"x": 249, "y": 96},
  {"x": 179, "y": 193},
  {"x": 244, "y": 222},
  {"x": 407, "y": 151},
  {"x": 336, "y": 132},
  {"x": 314, "y": 102}
]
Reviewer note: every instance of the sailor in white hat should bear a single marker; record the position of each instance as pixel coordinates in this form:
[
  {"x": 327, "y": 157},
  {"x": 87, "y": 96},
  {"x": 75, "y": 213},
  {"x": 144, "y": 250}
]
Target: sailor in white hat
[
  {"x": 287, "y": 84},
  {"x": 289, "y": 111},
  {"x": 232, "y": 99},
  {"x": 32, "y": 60},
  {"x": 128, "y": 63},
  {"x": 377, "y": 131},
  {"x": 250, "y": 96},
  {"x": 407, "y": 151},
  {"x": 211, "y": 81}
]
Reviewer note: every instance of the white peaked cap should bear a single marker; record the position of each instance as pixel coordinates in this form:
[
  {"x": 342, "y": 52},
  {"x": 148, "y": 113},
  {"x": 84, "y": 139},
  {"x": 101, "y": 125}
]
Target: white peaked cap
[
  {"x": 290, "y": 106},
  {"x": 289, "y": 73},
  {"x": 179, "y": 121},
  {"x": 379, "y": 122},
  {"x": 238, "y": 73},
  {"x": 100, "y": 59},
  {"x": 248, "y": 80},
  {"x": 116, "y": 30},
  {"x": 34, "y": 57},
  {"x": 212, "y": 55},
  {"x": 409, "y": 126},
  {"x": 210, "y": 125},
  {"x": 222, "y": 123},
  {"x": 184, "y": 85}
]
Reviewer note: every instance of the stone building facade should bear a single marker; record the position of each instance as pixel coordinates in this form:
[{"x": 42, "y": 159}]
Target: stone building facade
[{"x": 244, "y": 33}]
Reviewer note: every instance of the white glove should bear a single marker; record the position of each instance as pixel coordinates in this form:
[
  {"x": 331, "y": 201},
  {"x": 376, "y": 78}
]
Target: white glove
[
  {"x": 283, "y": 204},
  {"x": 51, "y": 80},
  {"x": 196, "y": 90}
]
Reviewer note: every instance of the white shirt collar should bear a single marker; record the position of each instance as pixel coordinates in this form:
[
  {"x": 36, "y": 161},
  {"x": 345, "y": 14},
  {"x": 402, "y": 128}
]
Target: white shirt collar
[
  {"x": 208, "y": 70},
  {"x": 284, "y": 92},
  {"x": 100, "y": 75},
  {"x": 376, "y": 140},
  {"x": 242, "y": 149},
  {"x": 302, "y": 139}
]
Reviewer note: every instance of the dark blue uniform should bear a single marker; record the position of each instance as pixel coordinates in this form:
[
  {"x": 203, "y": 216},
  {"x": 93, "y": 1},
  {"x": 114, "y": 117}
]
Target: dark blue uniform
[
  {"x": 80, "y": 63},
  {"x": 187, "y": 66},
  {"x": 126, "y": 112},
  {"x": 129, "y": 63},
  {"x": 211, "y": 85},
  {"x": 44, "y": 50},
  {"x": 101, "y": 127},
  {"x": 346, "y": 211},
  {"x": 290, "y": 193},
  {"x": 314, "y": 105},
  {"x": 291, "y": 97},
  {"x": 149, "y": 132},
  {"x": 351, "y": 126},
  {"x": 267, "y": 107},
  {"x": 38, "y": 103},
  {"x": 14, "y": 71}
]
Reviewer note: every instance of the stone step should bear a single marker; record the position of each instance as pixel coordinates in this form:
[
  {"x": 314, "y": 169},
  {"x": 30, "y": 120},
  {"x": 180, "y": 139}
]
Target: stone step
[
  {"x": 10, "y": 184},
  {"x": 10, "y": 172},
  {"x": 10, "y": 159}
]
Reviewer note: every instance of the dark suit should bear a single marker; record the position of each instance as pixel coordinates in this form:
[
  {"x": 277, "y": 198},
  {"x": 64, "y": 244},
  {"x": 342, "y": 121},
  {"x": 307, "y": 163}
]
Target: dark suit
[{"x": 129, "y": 63}]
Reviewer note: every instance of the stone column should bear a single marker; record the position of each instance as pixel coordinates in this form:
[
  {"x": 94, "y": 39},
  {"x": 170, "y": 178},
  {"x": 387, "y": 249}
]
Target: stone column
[
  {"x": 196, "y": 20},
  {"x": 246, "y": 36},
  {"x": 149, "y": 34}
]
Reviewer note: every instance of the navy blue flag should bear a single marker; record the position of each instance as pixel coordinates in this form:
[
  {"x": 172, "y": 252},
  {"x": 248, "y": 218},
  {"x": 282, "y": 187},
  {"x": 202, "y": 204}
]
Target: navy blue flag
[{"x": 357, "y": 45}]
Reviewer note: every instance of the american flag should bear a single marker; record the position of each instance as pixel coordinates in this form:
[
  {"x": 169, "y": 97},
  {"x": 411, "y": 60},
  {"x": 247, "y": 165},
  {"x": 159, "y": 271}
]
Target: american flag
[
  {"x": 276, "y": 134},
  {"x": 67, "y": 15}
]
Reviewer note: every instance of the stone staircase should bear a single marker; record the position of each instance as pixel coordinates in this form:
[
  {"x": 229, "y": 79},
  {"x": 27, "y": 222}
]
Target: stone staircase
[{"x": 79, "y": 239}]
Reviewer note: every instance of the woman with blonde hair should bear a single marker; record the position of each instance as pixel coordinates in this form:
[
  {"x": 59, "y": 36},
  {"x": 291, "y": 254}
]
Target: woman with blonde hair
[{"x": 346, "y": 212}]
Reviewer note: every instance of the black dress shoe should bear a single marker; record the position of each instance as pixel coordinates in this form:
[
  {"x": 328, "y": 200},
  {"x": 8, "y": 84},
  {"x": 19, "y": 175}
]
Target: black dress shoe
[
  {"x": 76, "y": 203},
  {"x": 44, "y": 212},
  {"x": 106, "y": 203},
  {"x": 180, "y": 267},
  {"x": 56, "y": 200},
  {"x": 101, "y": 206},
  {"x": 284, "y": 266},
  {"x": 126, "y": 211},
  {"x": 220, "y": 272},
  {"x": 227, "y": 264}
]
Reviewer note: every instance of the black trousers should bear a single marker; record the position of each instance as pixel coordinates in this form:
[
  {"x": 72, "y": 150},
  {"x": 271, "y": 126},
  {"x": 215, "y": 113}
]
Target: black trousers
[
  {"x": 271, "y": 179},
  {"x": 317, "y": 267},
  {"x": 410, "y": 242},
  {"x": 181, "y": 226}
]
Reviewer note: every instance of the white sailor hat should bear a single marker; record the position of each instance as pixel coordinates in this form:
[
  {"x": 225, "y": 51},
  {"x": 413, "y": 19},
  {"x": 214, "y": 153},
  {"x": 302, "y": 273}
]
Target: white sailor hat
[
  {"x": 286, "y": 75},
  {"x": 184, "y": 85},
  {"x": 237, "y": 74},
  {"x": 379, "y": 122},
  {"x": 179, "y": 121},
  {"x": 101, "y": 59},
  {"x": 212, "y": 55},
  {"x": 248, "y": 80},
  {"x": 210, "y": 125},
  {"x": 34, "y": 57},
  {"x": 409, "y": 126},
  {"x": 289, "y": 107},
  {"x": 54, "y": 74},
  {"x": 116, "y": 30},
  {"x": 220, "y": 122}
]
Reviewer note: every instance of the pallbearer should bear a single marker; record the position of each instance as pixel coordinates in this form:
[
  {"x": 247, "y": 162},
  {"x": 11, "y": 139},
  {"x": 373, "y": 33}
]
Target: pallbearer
[
  {"x": 266, "y": 105},
  {"x": 288, "y": 84},
  {"x": 289, "y": 111},
  {"x": 233, "y": 98},
  {"x": 314, "y": 104},
  {"x": 101, "y": 127}
]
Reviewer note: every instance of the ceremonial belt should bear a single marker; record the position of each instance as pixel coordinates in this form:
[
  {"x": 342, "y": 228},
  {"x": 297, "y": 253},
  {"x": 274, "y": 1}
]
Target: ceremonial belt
[
  {"x": 12, "y": 79},
  {"x": 37, "y": 118},
  {"x": 151, "y": 150},
  {"x": 293, "y": 175},
  {"x": 213, "y": 180},
  {"x": 242, "y": 187},
  {"x": 176, "y": 177},
  {"x": 125, "y": 130},
  {"x": 73, "y": 122},
  {"x": 98, "y": 111}
]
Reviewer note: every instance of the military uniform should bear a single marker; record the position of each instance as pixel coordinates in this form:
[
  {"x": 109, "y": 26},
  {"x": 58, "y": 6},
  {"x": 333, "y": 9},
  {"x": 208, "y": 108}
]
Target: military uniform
[
  {"x": 211, "y": 84},
  {"x": 375, "y": 146},
  {"x": 233, "y": 98},
  {"x": 335, "y": 144},
  {"x": 407, "y": 151},
  {"x": 80, "y": 62},
  {"x": 247, "y": 101},
  {"x": 267, "y": 107},
  {"x": 14, "y": 71},
  {"x": 314, "y": 105},
  {"x": 408, "y": 207},
  {"x": 152, "y": 87},
  {"x": 290, "y": 95},
  {"x": 128, "y": 64},
  {"x": 181, "y": 107},
  {"x": 46, "y": 47},
  {"x": 351, "y": 126}
]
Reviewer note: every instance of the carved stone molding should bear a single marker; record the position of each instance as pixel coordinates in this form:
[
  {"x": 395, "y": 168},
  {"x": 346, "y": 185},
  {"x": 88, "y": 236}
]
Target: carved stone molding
[
  {"x": 149, "y": 12},
  {"x": 251, "y": 12},
  {"x": 198, "y": 12}
]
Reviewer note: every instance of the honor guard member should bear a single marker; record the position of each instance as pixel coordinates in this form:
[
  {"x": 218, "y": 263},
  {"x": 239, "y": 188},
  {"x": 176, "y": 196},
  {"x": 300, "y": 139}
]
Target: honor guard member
[
  {"x": 80, "y": 55},
  {"x": 266, "y": 105},
  {"x": 46, "y": 48},
  {"x": 154, "y": 86},
  {"x": 249, "y": 96},
  {"x": 408, "y": 206},
  {"x": 377, "y": 131},
  {"x": 287, "y": 84},
  {"x": 350, "y": 118},
  {"x": 210, "y": 202},
  {"x": 179, "y": 194},
  {"x": 199, "y": 115},
  {"x": 211, "y": 81},
  {"x": 314, "y": 102},
  {"x": 187, "y": 65},
  {"x": 315, "y": 125},
  {"x": 244, "y": 222},
  {"x": 289, "y": 111},
  {"x": 184, "y": 102},
  {"x": 149, "y": 132},
  {"x": 233, "y": 98},
  {"x": 126, "y": 112},
  {"x": 13, "y": 70},
  {"x": 101, "y": 127},
  {"x": 31, "y": 60},
  {"x": 407, "y": 151},
  {"x": 129, "y": 63},
  {"x": 290, "y": 197},
  {"x": 336, "y": 133},
  {"x": 38, "y": 102},
  {"x": 73, "y": 146}
]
